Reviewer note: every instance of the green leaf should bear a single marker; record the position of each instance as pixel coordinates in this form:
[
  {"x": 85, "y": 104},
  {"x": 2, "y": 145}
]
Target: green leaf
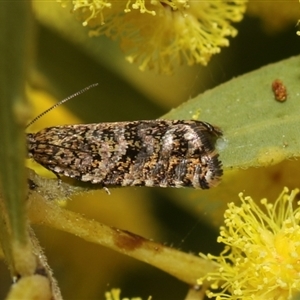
[
  {"x": 258, "y": 130},
  {"x": 260, "y": 138},
  {"x": 15, "y": 48}
]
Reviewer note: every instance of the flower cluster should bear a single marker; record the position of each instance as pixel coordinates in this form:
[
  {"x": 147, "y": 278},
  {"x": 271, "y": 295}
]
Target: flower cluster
[
  {"x": 262, "y": 256},
  {"x": 163, "y": 34}
]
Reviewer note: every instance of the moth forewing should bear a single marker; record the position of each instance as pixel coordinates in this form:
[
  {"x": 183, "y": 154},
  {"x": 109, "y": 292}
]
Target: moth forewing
[{"x": 140, "y": 153}]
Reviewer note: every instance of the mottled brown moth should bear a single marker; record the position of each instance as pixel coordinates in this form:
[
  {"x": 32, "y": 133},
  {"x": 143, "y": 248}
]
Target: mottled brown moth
[{"x": 140, "y": 153}]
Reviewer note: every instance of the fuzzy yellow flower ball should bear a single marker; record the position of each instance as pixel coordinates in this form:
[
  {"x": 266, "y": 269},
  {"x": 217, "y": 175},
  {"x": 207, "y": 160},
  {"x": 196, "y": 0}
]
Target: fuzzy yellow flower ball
[
  {"x": 163, "y": 34},
  {"x": 262, "y": 256}
]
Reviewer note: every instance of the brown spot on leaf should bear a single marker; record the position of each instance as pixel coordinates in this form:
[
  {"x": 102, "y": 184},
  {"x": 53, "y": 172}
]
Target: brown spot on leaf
[
  {"x": 279, "y": 90},
  {"x": 128, "y": 240}
]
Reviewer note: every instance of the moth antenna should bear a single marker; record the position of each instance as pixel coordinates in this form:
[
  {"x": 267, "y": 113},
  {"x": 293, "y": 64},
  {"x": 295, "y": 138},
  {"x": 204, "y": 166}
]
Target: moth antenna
[{"x": 61, "y": 102}]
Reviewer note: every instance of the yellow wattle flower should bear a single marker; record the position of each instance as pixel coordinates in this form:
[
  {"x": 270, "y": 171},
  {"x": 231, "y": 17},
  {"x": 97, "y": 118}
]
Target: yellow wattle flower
[
  {"x": 262, "y": 256},
  {"x": 163, "y": 34}
]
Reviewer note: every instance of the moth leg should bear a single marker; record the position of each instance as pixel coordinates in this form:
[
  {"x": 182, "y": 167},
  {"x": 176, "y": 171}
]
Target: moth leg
[
  {"x": 106, "y": 190},
  {"x": 31, "y": 184},
  {"x": 58, "y": 178}
]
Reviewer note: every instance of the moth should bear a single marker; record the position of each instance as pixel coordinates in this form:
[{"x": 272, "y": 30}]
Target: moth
[{"x": 164, "y": 153}]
